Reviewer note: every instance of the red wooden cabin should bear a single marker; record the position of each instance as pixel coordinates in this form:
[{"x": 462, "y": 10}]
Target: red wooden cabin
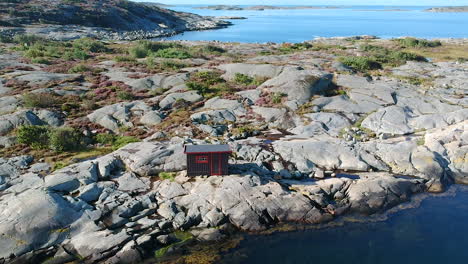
[{"x": 207, "y": 159}]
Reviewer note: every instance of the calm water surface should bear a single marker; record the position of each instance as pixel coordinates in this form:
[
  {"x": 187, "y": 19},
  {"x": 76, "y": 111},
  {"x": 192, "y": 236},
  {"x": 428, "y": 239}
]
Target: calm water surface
[
  {"x": 434, "y": 233},
  {"x": 307, "y": 24}
]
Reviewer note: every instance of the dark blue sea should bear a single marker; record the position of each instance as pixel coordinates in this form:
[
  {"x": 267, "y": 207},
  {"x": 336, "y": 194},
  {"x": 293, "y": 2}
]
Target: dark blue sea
[
  {"x": 306, "y": 24},
  {"x": 435, "y": 232}
]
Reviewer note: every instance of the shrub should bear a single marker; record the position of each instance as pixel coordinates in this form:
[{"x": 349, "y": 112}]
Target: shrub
[
  {"x": 124, "y": 95},
  {"x": 391, "y": 57},
  {"x": 65, "y": 139},
  {"x": 143, "y": 48},
  {"x": 418, "y": 43},
  {"x": 27, "y": 39},
  {"x": 124, "y": 59},
  {"x": 79, "y": 68},
  {"x": 277, "y": 98},
  {"x": 36, "y": 137},
  {"x": 361, "y": 63},
  {"x": 89, "y": 45},
  {"x": 40, "y": 60},
  {"x": 106, "y": 139},
  {"x": 172, "y": 65},
  {"x": 199, "y": 87},
  {"x": 40, "y": 100},
  {"x": 243, "y": 79},
  {"x": 172, "y": 53}
]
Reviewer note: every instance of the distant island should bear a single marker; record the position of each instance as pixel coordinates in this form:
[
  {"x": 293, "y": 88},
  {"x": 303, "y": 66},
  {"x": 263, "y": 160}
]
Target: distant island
[
  {"x": 448, "y": 9},
  {"x": 105, "y": 19},
  {"x": 263, "y": 7}
]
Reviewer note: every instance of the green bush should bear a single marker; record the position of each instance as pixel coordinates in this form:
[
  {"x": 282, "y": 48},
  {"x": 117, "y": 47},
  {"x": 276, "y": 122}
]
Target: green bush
[
  {"x": 143, "y": 48},
  {"x": 362, "y": 64},
  {"x": 40, "y": 100},
  {"x": 203, "y": 81},
  {"x": 418, "y": 43},
  {"x": 27, "y": 39},
  {"x": 65, "y": 139},
  {"x": 89, "y": 45},
  {"x": 36, "y": 137},
  {"x": 40, "y": 60},
  {"x": 123, "y": 95},
  {"x": 79, "y": 69},
  {"x": 172, "y": 65},
  {"x": 277, "y": 98},
  {"x": 124, "y": 59},
  {"x": 106, "y": 139},
  {"x": 243, "y": 79},
  {"x": 172, "y": 53},
  {"x": 199, "y": 87}
]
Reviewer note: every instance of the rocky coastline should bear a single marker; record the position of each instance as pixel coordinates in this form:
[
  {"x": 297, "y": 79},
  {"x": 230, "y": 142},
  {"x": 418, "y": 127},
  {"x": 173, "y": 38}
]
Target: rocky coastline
[
  {"x": 108, "y": 20},
  {"x": 448, "y": 9},
  {"x": 318, "y": 131}
]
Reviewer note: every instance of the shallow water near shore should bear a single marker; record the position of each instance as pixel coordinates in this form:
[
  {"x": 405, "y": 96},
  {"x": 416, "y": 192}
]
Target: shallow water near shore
[
  {"x": 434, "y": 232},
  {"x": 306, "y": 24}
]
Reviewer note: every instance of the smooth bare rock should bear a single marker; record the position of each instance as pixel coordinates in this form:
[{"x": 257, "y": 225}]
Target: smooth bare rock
[
  {"x": 438, "y": 120},
  {"x": 299, "y": 84},
  {"x": 375, "y": 192},
  {"x": 51, "y": 118},
  {"x": 150, "y": 158},
  {"x": 307, "y": 154},
  {"x": 275, "y": 117},
  {"x": 214, "y": 116},
  {"x": 451, "y": 144},
  {"x": 253, "y": 70},
  {"x": 8, "y": 104},
  {"x": 41, "y": 224},
  {"x": 251, "y": 95},
  {"x": 129, "y": 182},
  {"x": 96, "y": 242},
  {"x": 121, "y": 114},
  {"x": 217, "y": 103},
  {"x": 11, "y": 121},
  {"x": 151, "y": 118},
  {"x": 190, "y": 96},
  {"x": 342, "y": 103},
  {"x": 391, "y": 120},
  {"x": 361, "y": 89},
  {"x": 38, "y": 77},
  {"x": 158, "y": 81}
]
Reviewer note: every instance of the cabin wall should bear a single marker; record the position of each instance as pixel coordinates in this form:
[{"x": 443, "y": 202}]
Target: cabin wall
[{"x": 217, "y": 164}]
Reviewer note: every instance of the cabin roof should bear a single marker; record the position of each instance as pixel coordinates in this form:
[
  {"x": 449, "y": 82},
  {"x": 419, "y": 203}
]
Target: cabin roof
[{"x": 193, "y": 149}]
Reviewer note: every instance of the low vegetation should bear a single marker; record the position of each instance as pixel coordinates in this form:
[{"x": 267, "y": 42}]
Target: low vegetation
[
  {"x": 44, "y": 137},
  {"x": 41, "y": 100},
  {"x": 417, "y": 43},
  {"x": 115, "y": 141}
]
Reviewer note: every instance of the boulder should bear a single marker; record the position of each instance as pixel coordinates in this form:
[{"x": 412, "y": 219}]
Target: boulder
[
  {"x": 22, "y": 118},
  {"x": 253, "y": 70},
  {"x": 391, "y": 120},
  {"x": 41, "y": 224},
  {"x": 299, "y": 84},
  {"x": 190, "y": 96}
]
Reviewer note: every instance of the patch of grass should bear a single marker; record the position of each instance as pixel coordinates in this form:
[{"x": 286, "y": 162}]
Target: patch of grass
[
  {"x": 277, "y": 98},
  {"x": 124, "y": 95},
  {"x": 40, "y": 100},
  {"x": 167, "y": 176},
  {"x": 361, "y": 64},
  {"x": 421, "y": 141},
  {"x": 124, "y": 59},
  {"x": 204, "y": 81},
  {"x": 80, "y": 68},
  {"x": 417, "y": 43},
  {"x": 90, "y": 45},
  {"x": 415, "y": 80},
  {"x": 144, "y": 48},
  {"x": 390, "y": 57},
  {"x": 115, "y": 141},
  {"x": 288, "y": 47},
  {"x": 172, "y": 53}
]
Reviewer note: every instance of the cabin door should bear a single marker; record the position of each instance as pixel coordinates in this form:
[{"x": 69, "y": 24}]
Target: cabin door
[{"x": 216, "y": 167}]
